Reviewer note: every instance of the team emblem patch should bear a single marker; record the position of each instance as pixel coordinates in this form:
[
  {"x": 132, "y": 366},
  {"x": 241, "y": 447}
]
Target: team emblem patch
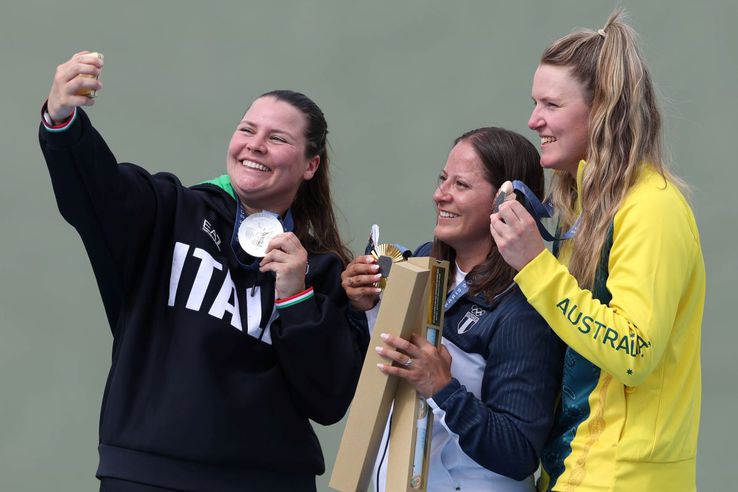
[{"x": 470, "y": 319}]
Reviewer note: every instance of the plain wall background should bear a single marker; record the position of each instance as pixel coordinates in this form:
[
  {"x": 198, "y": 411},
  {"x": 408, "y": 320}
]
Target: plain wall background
[{"x": 398, "y": 81}]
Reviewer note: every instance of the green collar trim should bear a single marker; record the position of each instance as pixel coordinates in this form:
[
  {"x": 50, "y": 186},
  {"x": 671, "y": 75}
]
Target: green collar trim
[{"x": 223, "y": 182}]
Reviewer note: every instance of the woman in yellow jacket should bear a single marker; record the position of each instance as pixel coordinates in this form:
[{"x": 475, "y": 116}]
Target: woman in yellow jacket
[{"x": 627, "y": 292}]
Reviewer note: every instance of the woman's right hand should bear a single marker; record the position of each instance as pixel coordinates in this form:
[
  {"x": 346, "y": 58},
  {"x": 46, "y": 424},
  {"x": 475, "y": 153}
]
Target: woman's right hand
[
  {"x": 358, "y": 279},
  {"x": 67, "y": 85}
]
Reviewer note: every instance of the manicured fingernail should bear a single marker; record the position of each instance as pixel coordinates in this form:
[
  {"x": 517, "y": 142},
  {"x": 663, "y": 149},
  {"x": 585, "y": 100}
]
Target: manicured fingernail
[
  {"x": 380, "y": 366},
  {"x": 377, "y": 276},
  {"x": 378, "y": 349},
  {"x": 384, "y": 336},
  {"x": 375, "y": 268}
]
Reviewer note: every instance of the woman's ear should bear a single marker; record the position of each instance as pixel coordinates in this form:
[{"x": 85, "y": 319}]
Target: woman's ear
[{"x": 312, "y": 166}]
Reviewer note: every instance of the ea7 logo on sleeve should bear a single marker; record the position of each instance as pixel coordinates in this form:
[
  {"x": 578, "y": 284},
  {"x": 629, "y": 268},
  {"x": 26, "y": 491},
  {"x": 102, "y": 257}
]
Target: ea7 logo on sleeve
[
  {"x": 470, "y": 319},
  {"x": 208, "y": 229}
]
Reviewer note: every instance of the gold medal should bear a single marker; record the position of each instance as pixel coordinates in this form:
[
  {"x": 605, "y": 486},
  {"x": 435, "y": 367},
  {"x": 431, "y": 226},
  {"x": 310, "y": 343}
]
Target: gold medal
[
  {"x": 256, "y": 231},
  {"x": 386, "y": 254}
]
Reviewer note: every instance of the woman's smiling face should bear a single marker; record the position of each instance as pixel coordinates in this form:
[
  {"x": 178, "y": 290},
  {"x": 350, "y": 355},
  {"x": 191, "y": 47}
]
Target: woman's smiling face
[
  {"x": 464, "y": 201},
  {"x": 266, "y": 156},
  {"x": 560, "y": 117}
]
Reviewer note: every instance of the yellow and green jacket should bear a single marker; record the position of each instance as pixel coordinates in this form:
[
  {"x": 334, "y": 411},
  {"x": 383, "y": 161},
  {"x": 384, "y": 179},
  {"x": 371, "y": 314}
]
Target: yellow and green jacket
[{"x": 630, "y": 404}]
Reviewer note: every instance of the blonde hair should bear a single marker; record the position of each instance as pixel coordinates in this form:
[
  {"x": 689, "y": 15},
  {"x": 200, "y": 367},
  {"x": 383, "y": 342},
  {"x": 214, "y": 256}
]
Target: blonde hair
[{"x": 624, "y": 133}]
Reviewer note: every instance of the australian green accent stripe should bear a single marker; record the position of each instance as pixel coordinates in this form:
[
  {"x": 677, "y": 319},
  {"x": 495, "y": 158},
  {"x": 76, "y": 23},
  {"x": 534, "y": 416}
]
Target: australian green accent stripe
[
  {"x": 580, "y": 376},
  {"x": 296, "y": 299},
  {"x": 223, "y": 182}
]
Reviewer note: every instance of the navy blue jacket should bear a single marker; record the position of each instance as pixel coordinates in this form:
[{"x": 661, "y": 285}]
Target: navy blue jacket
[
  {"x": 492, "y": 419},
  {"x": 506, "y": 379}
]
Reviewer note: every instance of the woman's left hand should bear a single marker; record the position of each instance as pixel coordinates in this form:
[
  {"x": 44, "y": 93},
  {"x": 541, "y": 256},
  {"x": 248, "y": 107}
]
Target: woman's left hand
[
  {"x": 423, "y": 365},
  {"x": 516, "y": 234},
  {"x": 288, "y": 260}
]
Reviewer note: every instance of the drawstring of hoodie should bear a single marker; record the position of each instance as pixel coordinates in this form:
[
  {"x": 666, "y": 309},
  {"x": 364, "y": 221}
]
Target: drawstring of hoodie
[{"x": 264, "y": 281}]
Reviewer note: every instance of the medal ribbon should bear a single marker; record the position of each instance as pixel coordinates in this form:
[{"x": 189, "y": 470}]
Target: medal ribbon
[
  {"x": 543, "y": 211},
  {"x": 461, "y": 290},
  {"x": 456, "y": 294}
]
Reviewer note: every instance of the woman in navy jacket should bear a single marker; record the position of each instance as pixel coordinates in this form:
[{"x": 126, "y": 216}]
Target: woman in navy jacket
[{"x": 493, "y": 383}]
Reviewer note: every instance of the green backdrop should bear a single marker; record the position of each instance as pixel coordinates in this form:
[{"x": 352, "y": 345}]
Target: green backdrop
[{"x": 398, "y": 82}]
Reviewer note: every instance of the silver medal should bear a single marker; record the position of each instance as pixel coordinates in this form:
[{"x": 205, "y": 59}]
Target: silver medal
[{"x": 256, "y": 231}]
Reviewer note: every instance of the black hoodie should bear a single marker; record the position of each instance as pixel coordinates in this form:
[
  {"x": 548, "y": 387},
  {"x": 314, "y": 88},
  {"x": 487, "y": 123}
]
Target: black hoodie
[{"x": 199, "y": 397}]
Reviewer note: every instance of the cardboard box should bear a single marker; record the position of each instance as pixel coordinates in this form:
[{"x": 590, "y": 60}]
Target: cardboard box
[
  {"x": 407, "y": 467},
  {"x": 413, "y": 302},
  {"x": 398, "y": 315}
]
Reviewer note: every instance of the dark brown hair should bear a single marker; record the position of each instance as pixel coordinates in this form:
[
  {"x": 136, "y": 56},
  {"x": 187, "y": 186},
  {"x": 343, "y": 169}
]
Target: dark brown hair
[
  {"x": 505, "y": 156},
  {"x": 312, "y": 209}
]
